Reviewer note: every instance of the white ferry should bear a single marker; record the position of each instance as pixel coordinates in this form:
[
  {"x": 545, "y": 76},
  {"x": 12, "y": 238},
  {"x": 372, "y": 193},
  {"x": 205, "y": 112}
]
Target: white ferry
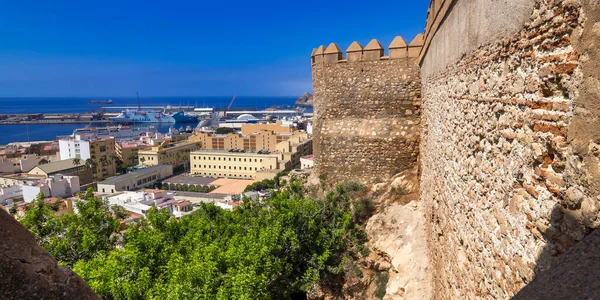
[
  {"x": 141, "y": 116},
  {"x": 118, "y": 132}
]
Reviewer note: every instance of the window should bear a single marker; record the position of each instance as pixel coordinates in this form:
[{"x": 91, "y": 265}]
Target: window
[
  {"x": 245, "y": 169},
  {"x": 195, "y": 166},
  {"x": 244, "y": 160},
  {"x": 230, "y": 159},
  {"x": 255, "y": 160}
]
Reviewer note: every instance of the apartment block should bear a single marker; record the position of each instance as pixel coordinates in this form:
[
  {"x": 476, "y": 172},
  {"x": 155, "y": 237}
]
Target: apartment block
[
  {"x": 101, "y": 151},
  {"x": 127, "y": 151}
]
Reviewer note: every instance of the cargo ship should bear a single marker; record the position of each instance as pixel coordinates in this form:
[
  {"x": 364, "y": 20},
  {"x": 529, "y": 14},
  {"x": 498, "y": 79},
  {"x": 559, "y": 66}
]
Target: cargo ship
[{"x": 109, "y": 101}]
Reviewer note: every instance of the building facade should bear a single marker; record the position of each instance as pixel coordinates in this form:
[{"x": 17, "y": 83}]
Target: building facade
[
  {"x": 173, "y": 154},
  {"x": 101, "y": 151},
  {"x": 55, "y": 186},
  {"x": 127, "y": 151},
  {"x": 249, "y": 139},
  {"x": 241, "y": 165},
  {"x": 135, "y": 180}
]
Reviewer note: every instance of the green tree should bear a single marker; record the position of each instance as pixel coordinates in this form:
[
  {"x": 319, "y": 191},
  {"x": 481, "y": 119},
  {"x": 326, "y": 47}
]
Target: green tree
[
  {"x": 77, "y": 161},
  {"x": 260, "y": 250},
  {"x": 224, "y": 130},
  {"x": 13, "y": 209},
  {"x": 90, "y": 165},
  {"x": 40, "y": 220},
  {"x": 74, "y": 237}
]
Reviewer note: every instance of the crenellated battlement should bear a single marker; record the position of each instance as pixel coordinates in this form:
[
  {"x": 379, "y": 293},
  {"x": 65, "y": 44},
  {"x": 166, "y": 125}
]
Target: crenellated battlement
[
  {"x": 367, "y": 109},
  {"x": 373, "y": 51}
]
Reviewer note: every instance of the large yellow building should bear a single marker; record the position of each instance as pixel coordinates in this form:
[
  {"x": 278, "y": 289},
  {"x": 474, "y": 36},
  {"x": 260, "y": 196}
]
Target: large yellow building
[
  {"x": 255, "y": 141},
  {"x": 220, "y": 163},
  {"x": 168, "y": 153},
  {"x": 273, "y": 127}
]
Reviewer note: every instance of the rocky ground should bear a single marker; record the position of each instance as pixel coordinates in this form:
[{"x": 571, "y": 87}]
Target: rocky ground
[{"x": 397, "y": 266}]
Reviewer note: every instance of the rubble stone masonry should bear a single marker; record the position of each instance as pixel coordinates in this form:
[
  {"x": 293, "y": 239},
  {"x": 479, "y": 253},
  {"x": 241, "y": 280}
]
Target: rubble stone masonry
[
  {"x": 367, "y": 110},
  {"x": 510, "y": 140}
]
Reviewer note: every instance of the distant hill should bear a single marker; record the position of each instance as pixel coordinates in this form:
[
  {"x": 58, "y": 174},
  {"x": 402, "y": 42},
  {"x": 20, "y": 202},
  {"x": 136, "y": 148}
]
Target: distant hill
[{"x": 305, "y": 100}]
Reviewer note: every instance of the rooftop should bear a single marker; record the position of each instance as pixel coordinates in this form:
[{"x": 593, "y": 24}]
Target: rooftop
[
  {"x": 231, "y": 186},
  {"x": 227, "y": 152},
  {"x": 183, "y": 179},
  {"x": 214, "y": 196},
  {"x": 58, "y": 166},
  {"x": 132, "y": 175}
]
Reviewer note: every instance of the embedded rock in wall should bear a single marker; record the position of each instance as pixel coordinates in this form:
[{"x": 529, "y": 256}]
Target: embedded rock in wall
[
  {"x": 509, "y": 148},
  {"x": 29, "y": 272},
  {"x": 366, "y": 110}
]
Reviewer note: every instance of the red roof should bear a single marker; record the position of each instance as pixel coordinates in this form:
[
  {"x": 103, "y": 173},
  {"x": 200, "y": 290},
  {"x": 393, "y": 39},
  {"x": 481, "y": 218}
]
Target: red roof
[{"x": 182, "y": 203}]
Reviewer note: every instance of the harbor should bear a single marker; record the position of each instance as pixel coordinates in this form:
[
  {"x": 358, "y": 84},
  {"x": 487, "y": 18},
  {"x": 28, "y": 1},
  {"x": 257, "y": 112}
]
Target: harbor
[{"x": 145, "y": 114}]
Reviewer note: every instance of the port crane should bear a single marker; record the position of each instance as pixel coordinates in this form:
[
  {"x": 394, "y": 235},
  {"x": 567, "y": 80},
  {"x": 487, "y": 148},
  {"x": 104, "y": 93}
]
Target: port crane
[{"x": 229, "y": 106}]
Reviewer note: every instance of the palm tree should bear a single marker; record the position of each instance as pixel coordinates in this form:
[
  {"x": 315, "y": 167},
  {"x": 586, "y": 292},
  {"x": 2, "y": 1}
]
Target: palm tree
[
  {"x": 103, "y": 162},
  {"x": 90, "y": 164},
  {"x": 113, "y": 159},
  {"x": 131, "y": 158},
  {"x": 76, "y": 161},
  {"x": 142, "y": 160}
]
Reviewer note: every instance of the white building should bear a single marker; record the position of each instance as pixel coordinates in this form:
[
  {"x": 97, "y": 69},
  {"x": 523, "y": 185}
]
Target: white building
[
  {"x": 11, "y": 194},
  {"x": 140, "y": 202},
  {"x": 138, "y": 179},
  {"x": 74, "y": 148},
  {"x": 55, "y": 186},
  {"x": 307, "y": 162},
  {"x": 309, "y": 128}
]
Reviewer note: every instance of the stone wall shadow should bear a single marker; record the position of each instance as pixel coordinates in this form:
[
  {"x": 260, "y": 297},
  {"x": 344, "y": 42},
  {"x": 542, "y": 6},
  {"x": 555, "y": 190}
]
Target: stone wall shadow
[{"x": 566, "y": 268}]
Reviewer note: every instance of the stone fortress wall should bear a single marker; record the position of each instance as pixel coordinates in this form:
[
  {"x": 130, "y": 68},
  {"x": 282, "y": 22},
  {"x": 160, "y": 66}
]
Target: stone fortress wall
[
  {"x": 367, "y": 110},
  {"x": 510, "y": 141}
]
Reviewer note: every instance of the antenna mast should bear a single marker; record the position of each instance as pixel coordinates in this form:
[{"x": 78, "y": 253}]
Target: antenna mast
[{"x": 138, "y": 99}]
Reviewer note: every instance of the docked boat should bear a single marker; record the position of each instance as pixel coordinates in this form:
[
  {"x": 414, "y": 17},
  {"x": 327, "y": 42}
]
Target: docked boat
[
  {"x": 109, "y": 101},
  {"x": 142, "y": 116},
  {"x": 180, "y": 117},
  {"x": 118, "y": 132}
]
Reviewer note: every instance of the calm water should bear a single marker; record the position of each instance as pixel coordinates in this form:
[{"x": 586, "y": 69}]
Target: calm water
[{"x": 19, "y": 133}]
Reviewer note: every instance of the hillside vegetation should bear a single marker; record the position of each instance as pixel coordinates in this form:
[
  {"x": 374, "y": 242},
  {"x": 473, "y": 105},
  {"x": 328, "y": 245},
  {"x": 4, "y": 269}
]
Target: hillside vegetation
[{"x": 261, "y": 250}]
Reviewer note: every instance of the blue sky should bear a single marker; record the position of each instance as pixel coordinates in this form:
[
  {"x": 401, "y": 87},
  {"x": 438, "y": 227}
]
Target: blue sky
[{"x": 183, "y": 48}]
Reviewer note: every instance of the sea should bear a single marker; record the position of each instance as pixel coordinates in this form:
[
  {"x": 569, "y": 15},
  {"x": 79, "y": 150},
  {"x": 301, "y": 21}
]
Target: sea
[{"x": 49, "y": 132}]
